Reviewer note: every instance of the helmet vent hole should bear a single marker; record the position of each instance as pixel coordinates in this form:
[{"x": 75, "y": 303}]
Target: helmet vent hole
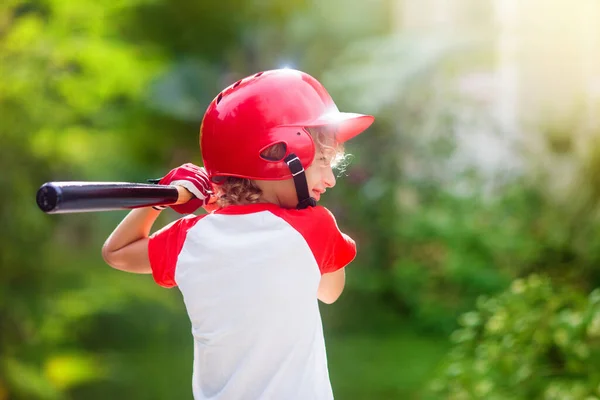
[
  {"x": 219, "y": 97},
  {"x": 237, "y": 84},
  {"x": 275, "y": 152},
  {"x": 257, "y": 75}
]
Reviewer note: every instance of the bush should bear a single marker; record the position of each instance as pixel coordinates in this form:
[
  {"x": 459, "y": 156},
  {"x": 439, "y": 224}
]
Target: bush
[{"x": 533, "y": 341}]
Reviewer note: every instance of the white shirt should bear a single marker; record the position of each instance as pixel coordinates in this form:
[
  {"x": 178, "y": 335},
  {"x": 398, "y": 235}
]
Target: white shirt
[{"x": 249, "y": 277}]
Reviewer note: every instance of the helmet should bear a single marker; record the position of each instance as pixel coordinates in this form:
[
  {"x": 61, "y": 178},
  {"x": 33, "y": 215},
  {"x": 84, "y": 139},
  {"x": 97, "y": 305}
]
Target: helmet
[{"x": 265, "y": 109}]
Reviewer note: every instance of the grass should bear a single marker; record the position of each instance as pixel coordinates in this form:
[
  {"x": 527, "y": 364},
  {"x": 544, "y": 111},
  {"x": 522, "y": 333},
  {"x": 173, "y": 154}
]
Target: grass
[
  {"x": 390, "y": 367},
  {"x": 373, "y": 353}
]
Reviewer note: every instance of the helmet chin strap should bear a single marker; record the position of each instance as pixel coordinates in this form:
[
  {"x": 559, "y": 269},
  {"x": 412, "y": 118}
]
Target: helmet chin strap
[{"x": 297, "y": 170}]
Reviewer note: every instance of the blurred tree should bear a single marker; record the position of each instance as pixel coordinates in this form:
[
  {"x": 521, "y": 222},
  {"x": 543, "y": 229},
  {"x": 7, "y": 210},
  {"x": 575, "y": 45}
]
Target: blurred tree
[
  {"x": 459, "y": 230},
  {"x": 67, "y": 87},
  {"x": 433, "y": 260}
]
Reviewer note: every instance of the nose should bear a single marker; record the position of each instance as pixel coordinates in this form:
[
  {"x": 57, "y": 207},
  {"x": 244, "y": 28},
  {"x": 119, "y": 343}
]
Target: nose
[{"x": 328, "y": 177}]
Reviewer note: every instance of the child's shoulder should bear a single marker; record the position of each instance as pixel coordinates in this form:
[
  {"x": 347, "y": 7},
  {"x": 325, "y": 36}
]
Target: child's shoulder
[
  {"x": 312, "y": 219},
  {"x": 332, "y": 248}
]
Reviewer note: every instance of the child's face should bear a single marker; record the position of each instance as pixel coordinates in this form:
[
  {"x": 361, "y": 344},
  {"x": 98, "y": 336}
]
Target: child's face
[{"x": 319, "y": 177}]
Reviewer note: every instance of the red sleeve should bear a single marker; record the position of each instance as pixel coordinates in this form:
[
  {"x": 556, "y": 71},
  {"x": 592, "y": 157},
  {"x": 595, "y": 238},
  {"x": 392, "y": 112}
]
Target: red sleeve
[
  {"x": 164, "y": 247},
  {"x": 332, "y": 248}
]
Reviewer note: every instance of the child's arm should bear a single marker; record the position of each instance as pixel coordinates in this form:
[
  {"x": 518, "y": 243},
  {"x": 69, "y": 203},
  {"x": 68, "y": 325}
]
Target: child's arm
[
  {"x": 126, "y": 248},
  {"x": 331, "y": 286},
  {"x": 333, "y": 251}
]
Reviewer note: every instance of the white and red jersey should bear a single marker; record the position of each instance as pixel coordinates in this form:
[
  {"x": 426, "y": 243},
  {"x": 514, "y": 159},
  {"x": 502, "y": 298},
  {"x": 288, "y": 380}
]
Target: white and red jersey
[{"x": 249, "y": 276}]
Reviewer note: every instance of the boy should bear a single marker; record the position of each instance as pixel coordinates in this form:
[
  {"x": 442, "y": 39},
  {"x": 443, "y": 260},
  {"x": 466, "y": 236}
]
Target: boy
[{"x": 252, "y": 269}]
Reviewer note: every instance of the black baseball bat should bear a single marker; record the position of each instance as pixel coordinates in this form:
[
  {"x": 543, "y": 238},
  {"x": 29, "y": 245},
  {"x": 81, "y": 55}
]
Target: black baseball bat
[{"x": 78, "y": 197}]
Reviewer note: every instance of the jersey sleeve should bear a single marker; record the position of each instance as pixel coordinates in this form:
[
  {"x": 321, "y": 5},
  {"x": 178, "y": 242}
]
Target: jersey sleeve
[
  {"x": 164, "y": 247},
  {"x": 331, "y": 248}
]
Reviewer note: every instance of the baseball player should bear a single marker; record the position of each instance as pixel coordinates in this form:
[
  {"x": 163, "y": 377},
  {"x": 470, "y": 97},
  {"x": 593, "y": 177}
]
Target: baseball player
[{"x": 252, "y": 269}]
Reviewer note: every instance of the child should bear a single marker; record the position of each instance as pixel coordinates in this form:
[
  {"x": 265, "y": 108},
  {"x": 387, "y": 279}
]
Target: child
[{"x": 251, "y": 270}]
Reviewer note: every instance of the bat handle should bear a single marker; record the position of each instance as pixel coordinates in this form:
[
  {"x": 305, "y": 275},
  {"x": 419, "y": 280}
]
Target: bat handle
[{"x": 183, "y": 195}]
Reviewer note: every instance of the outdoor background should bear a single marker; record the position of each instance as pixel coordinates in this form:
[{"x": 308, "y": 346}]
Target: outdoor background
[{"x": 474, "y": 198}]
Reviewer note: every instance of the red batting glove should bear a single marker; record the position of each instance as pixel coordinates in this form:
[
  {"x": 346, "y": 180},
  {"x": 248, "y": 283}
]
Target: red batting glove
[{"x": 196, "y": 181}]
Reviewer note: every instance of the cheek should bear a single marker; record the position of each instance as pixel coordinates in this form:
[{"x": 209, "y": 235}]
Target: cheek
[
  {"x": 287, "y": 194},
  {"x": 286, "y": 189},
  {"x": 313, "y": 176}
]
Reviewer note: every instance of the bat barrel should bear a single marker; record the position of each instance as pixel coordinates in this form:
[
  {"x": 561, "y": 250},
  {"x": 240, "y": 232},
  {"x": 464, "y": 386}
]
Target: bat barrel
[{"x": 70, "y": 197}]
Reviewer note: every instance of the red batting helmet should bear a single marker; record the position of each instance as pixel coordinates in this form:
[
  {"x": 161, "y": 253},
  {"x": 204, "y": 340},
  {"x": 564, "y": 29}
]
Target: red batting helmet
[{"x": 264, "y": 109}]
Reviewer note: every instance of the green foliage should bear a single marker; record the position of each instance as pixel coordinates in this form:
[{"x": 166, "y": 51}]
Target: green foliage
[
  {"x": 67, "y": 86},
  {"x": 457, "y": 247},
  {"x": 533, "y": 341}
]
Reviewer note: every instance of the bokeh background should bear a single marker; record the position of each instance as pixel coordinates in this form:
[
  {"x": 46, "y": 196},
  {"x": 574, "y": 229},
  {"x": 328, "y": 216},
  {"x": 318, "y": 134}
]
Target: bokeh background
[{"x": 474, "y": 198}]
